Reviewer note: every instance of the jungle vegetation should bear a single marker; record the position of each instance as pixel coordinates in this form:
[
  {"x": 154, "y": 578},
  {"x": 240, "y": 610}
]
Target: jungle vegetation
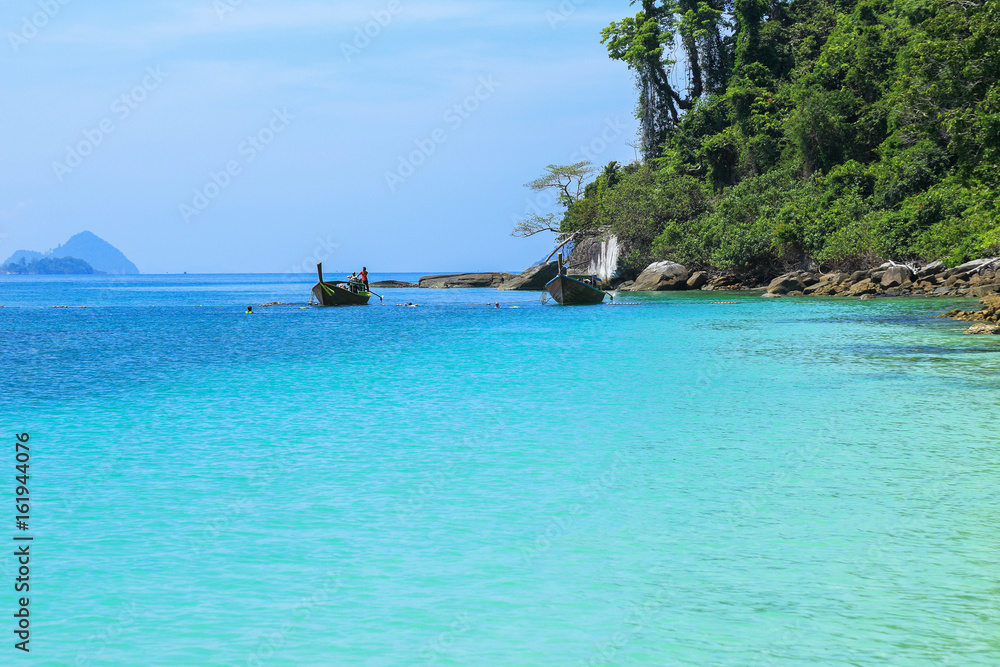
[{"x": 844, "y": 131}]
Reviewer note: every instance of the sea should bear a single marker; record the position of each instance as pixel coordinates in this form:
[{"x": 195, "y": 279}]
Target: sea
[{"x": 687, "y": 478}]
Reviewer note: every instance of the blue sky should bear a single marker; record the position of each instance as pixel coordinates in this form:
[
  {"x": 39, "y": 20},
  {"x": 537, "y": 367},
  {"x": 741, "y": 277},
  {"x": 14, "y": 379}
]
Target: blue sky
[{"x": 255, "y": 135}]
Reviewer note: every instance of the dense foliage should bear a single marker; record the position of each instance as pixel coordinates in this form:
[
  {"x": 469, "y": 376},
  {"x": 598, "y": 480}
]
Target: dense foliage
[
  {"x": 48, "y": 266},
  {"x": 846, "y": 131}
]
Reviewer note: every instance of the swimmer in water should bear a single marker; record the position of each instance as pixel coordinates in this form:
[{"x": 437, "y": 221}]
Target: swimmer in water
[{"x": 249, "y": 310}]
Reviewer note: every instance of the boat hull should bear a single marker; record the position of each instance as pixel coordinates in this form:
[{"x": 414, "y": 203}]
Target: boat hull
[
  {"x": 328, "y": 294},
  {"x": 570, "y": 292}
]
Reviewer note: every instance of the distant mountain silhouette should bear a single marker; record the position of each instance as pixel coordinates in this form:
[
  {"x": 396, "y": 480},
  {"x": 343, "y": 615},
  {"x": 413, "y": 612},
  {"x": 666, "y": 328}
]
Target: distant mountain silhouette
[
  {"x": 92, "y": 249},
  {"x": 49, "y": 266},
  {"x": 29, "y": 256}
]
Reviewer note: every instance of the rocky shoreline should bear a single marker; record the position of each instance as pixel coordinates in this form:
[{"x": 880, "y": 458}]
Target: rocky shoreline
[
  {"x": 978, "y": 278},
  {"x": 987, "y": 318}
]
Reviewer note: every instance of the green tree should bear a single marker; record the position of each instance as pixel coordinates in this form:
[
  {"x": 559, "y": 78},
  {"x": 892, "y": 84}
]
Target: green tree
[{"x": 568, "y": 181}]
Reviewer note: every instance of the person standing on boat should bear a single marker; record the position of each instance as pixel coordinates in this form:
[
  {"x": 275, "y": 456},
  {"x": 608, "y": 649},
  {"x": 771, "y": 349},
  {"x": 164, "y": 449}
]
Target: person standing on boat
[
  {"x": 364, "y": 277},
  {"x": 352, "y": 282}
]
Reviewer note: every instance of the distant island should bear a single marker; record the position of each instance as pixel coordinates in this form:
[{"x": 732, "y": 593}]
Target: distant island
[
  {"x": 48, "y": 266},
  {"x": 89, "y": 254}
]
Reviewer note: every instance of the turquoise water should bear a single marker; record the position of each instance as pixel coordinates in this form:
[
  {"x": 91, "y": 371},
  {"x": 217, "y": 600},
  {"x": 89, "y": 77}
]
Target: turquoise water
[{"x": 681, "y": 482}]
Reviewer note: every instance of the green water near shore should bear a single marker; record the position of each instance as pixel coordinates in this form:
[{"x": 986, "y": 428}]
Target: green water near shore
[{"x": 783, "y": 481}]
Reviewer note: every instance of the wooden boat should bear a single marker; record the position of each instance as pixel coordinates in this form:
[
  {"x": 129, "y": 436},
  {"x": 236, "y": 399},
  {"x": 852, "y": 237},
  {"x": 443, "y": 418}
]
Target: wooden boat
[
  {"x": 572, "y": 291},
  {"x": 334, "y": 292}
]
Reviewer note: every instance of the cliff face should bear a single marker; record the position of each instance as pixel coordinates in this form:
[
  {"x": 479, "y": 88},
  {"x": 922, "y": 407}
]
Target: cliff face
[{"x": 597, "y": 256}]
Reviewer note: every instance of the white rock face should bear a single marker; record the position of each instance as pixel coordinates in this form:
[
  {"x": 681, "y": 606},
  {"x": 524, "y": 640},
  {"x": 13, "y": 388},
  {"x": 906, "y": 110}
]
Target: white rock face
[{"x": 596, "y": 257}]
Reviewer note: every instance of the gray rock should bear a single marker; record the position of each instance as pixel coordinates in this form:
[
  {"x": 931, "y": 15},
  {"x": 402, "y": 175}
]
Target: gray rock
[
  {"x": 660, "y": 276},
  {"x": 984, "y": 328},
  {"x": 808, "y": 264},
  {"x": 954, "y": 278},
  {"x": 818, "y": 287},
  {"x": 533, "y": 278},
  {"x": 983, "y": 290},
  {"x": 597, "y": 256},
  {"x": 462, "y": 280},
  {"x": 796, "y": 281},
  {"x": 971, "y": 266},
  {"x": 770, "y": 295},
  {"x": 866, "y": 286},
  {"x": 930, "y": 269},
  {"x": 895, "y": 276},
  {"x": 697, "y": 280},
  {"x": 391, "y": 284}
]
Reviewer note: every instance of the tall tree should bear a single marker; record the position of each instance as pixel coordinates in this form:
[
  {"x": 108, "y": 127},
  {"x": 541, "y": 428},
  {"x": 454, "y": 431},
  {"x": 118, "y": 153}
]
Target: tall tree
[
  {"x": 568, "y": 183},
  {"x": 646, "y": 43}
]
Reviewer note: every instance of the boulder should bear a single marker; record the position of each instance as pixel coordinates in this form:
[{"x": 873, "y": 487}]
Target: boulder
[
  {"x": 866, "y": 286},
  {"x": 697, "y": 280},
  {"x": 723, "y": 282},
  {"x": 823, "y": 288},
  {"x": 462, "y": 280},
  {"x": 984, "y": 290},
  {"x": 972, "y": 266},
  {"x": 930, "y": 269},
  {"x": 533, "y": 278},
  {"x": 390, "y": 284},
  {"x": 983, "y": 328},
  {"x": 858, "y": 276},
  {"x": 771, "y": 295},
  {"x": 955, "y": 278},
  {"x": 895, "y": 276},
  {"x": 660, "y": 276},
  {"x": 796, "y": 281}
]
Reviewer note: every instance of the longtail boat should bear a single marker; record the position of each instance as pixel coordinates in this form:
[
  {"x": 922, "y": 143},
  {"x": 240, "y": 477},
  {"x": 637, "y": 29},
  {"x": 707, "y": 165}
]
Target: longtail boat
[
  {"x": 572, "y": 291},
  {"x": 331, "y": 292}
]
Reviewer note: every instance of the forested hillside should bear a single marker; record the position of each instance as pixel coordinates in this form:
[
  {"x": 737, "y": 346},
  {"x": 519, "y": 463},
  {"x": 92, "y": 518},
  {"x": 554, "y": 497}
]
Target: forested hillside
[{"x": 845, "y": 131}]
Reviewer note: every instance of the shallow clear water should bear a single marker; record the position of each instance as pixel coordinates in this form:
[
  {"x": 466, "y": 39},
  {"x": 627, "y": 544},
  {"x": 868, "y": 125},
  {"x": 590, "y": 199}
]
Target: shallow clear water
[{"x": 793, "y": 481}]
